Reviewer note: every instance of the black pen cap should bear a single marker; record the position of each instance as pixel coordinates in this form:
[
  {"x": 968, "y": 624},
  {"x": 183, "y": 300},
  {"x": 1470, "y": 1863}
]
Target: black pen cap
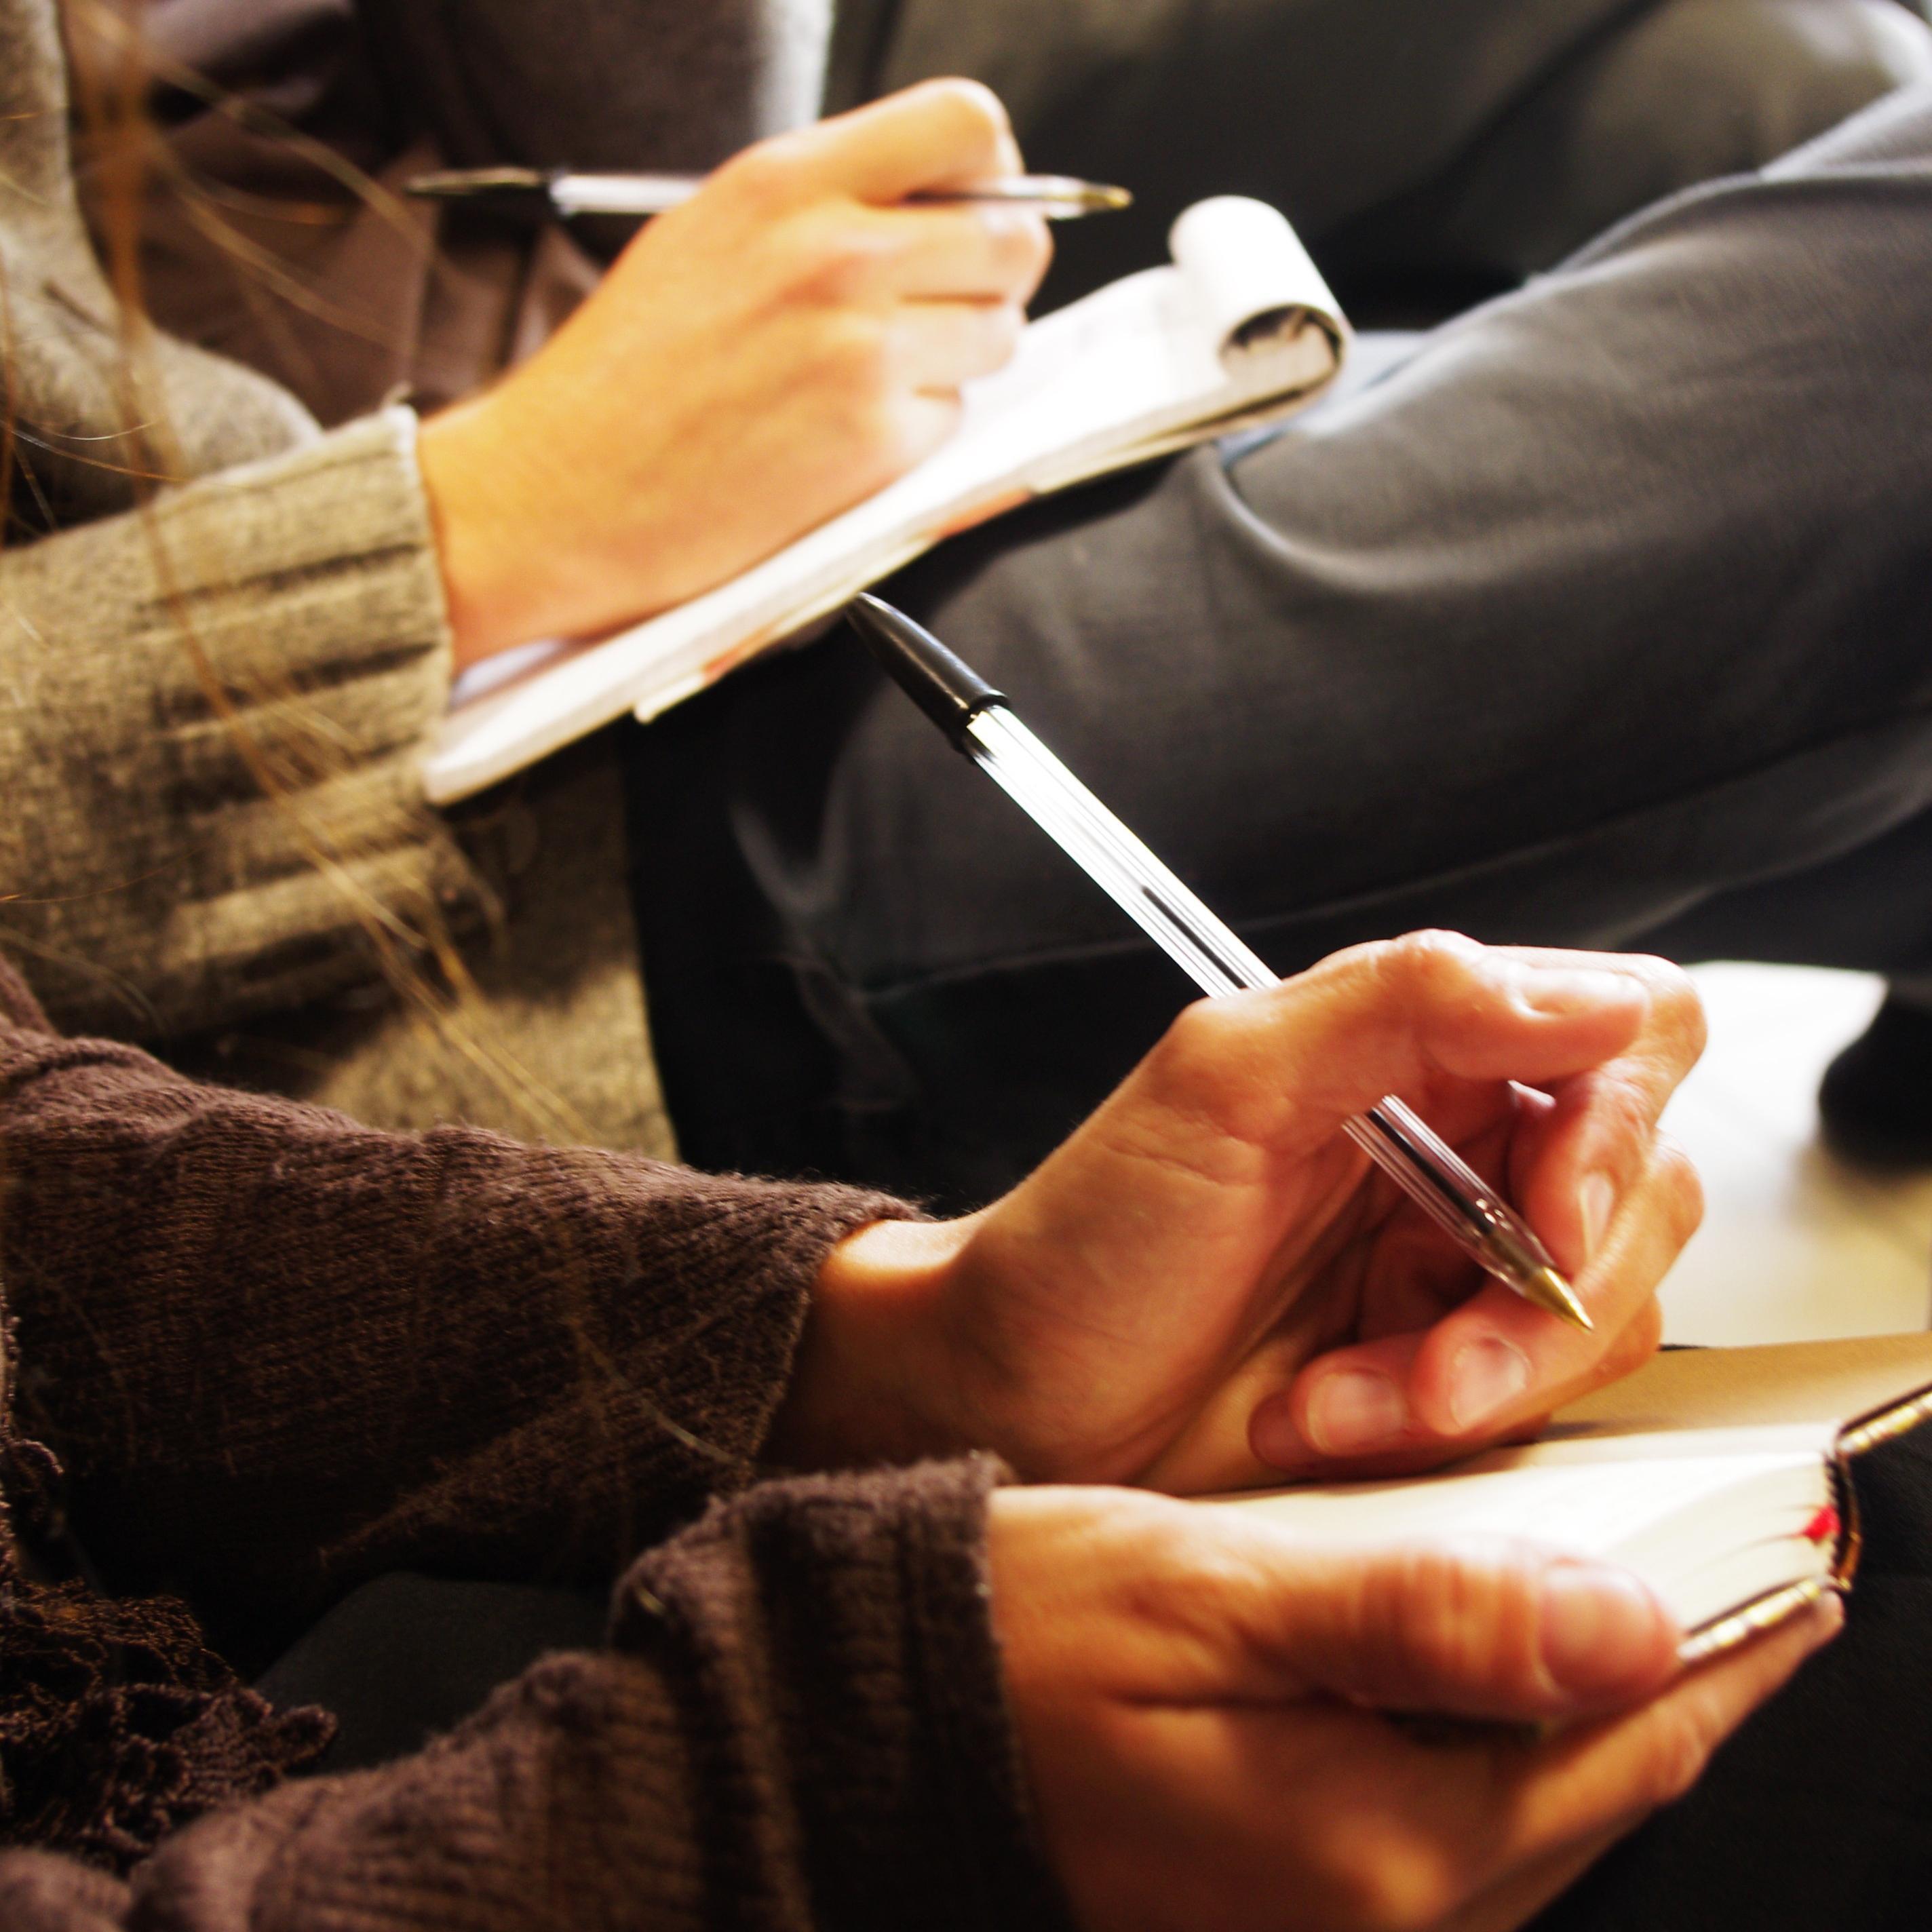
[{"x": 950, "y": 692}]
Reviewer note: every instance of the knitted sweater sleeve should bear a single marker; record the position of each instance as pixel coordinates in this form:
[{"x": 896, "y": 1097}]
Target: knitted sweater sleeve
[
  {"x": 281, "y": 625},
  {"x": 800, "y": 1725},
  {"x": 276, "y": 616},
  {"x": 280, "y": 1352}
]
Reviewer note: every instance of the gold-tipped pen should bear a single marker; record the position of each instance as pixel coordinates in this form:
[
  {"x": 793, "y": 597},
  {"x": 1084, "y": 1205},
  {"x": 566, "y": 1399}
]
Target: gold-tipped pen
[{"x": 1548, "y": 1289}]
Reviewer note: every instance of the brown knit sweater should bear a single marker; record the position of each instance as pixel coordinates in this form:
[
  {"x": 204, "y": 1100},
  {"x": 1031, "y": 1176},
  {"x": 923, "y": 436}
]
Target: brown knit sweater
[{"x": 279, "y": 1354}]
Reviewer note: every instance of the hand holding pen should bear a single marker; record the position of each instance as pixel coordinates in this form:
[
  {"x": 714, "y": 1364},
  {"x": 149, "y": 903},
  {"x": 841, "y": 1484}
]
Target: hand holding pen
[
  {"x": 787, "y": 341},
  {"x": 981, "y": 723},
  {"x": 1381, "y": 1348}
]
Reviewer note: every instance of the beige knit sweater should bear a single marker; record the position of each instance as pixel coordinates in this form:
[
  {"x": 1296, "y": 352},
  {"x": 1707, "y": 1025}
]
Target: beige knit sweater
[{"x": 289, "y": 579}]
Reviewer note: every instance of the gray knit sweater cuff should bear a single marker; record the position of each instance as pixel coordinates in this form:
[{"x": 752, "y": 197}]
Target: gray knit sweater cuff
[{"x": 224, "y": 700}]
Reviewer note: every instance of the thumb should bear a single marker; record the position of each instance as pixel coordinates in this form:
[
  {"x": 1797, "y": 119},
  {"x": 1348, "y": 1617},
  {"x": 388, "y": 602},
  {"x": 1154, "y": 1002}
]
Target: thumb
[{"x": 1477, "y": 1628}]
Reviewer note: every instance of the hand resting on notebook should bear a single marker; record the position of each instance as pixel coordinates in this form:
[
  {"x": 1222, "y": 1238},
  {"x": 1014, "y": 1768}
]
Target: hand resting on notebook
[
  {"x": 1203, "y": 1286},
  {"x": 756, "y": 361},
  {"x": 1199, "y": 1695}
]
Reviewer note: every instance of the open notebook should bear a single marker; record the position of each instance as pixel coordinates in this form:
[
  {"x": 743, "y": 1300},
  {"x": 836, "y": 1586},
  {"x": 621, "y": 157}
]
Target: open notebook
[
  {"x": 1716, "y": 1474},
  {"x": 1239, "y": 327}
]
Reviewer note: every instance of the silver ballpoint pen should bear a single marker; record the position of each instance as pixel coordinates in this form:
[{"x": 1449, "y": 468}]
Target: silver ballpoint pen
[
  {"x": 981, "y": 722},
  {"x": 1058, "y": 197}
]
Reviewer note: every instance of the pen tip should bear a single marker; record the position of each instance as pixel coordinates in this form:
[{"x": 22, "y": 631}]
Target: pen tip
[{"x": 1550, "y": 1291}]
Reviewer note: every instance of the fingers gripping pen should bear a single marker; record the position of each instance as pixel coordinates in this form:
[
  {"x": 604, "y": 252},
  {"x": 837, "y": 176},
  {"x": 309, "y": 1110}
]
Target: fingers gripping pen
[{"x": 982, "y": 724}]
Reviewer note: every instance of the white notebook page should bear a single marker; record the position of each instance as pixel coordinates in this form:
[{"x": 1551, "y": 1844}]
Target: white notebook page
[
  {"x": 1709, "y": 1518},
  {"x": 1120, "y": 376}
]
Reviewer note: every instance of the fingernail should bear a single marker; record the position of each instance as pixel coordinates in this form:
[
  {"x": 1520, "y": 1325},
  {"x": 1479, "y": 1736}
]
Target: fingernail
[
  {"x": 1600, "y": 1629},
  {"x": 1575, "y": 989},
  {"x": 1597, "y": 1197},
  {"x": 1487, "y": 1375},
  {"x": 1353, "y": 1410},
  {"x": 1273, "y": 1437}
]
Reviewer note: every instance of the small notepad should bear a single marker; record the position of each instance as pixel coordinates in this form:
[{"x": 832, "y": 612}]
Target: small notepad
[{"x": 1239, "y": 327}]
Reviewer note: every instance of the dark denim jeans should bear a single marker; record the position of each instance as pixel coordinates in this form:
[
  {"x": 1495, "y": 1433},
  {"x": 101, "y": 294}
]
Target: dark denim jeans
[{"x": 1603, "y": 618}]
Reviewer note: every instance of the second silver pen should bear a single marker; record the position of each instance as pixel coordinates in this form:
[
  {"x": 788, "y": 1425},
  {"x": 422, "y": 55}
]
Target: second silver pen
[{"x": 982, "y": 725}]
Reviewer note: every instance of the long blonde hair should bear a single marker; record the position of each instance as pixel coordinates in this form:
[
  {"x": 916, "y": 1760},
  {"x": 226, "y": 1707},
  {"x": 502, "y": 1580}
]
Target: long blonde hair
[{"x": 288, "y": 751}]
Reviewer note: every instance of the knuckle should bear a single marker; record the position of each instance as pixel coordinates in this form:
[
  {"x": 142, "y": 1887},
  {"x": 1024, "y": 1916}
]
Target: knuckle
[
  {"x": 1696, "y": 1026},
  {"x": 1415, "y": 1609},
  {"x": 857, "y": 350},
  {"x": 1200, "y": 1060},
  {"x": 1405, "y": 1612},
  {"x": 1220, "y": 1596},
  {"x": 924, "y": 422},
  {"x": 844, "y": 263},
  {"x": 1001, "y": 326},
  {"x": 1380, "y": 1876},
  {"x": 1624, "y": 1107},
  {"x": 1462, "y": 1620},
  {"x": 974, "y": 113},
  {"x": 1459, "y": 1636},
  {"x": 1682, "y": 1189},
  {"x": 764, "y": 177},
  {"x": 879, "y": 437},
  {"x": 1414, "y": 1887},
  {"x": 1170, "y": 1571},
  {"x": 1680, "y": 1746},
  {"x": 1166, "y": 1540},
  {"x": 1431, "y": 967},
  {"x": 1198, "y": 1030},
  {"x": 1634, "y": 1345},
  {"x": 1021, "y": 250},
  {"x": 902, "y": 429},
  {"x": 1675, "y": 1004}
]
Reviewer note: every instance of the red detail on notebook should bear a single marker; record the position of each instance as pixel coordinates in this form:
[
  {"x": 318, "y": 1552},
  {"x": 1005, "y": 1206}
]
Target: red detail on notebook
[{"x": 1824, "y": 1527}]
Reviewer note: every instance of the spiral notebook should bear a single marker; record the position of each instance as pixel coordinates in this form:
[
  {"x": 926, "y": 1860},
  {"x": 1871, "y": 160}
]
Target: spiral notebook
[{"x": 1239, "y": 327}]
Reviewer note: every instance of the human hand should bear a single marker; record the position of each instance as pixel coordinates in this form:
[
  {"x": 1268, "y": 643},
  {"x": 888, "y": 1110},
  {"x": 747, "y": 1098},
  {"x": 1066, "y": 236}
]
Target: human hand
[
  {"x": 1207, "y": 1285},
  {"x": 1197, "y": 1697},
  {"x": 781, "y": 345}
]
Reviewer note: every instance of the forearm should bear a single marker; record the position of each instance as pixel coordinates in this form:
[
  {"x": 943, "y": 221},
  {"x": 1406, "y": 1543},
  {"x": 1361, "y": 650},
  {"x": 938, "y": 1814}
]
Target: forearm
[
  {"x": 802, "y": 1725},
  {"x": 276, "y": 627},
  {"x": 281, "y": 1352}
]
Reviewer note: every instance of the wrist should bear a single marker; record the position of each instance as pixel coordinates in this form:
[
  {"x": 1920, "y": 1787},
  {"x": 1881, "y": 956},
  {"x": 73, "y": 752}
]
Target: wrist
[
  {"x": 490, "y": 547},
  {"x": 874, "y": 1379}
]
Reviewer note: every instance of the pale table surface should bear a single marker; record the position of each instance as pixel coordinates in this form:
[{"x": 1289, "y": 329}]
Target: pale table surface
[{"x": 1795, "y": 1245}]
